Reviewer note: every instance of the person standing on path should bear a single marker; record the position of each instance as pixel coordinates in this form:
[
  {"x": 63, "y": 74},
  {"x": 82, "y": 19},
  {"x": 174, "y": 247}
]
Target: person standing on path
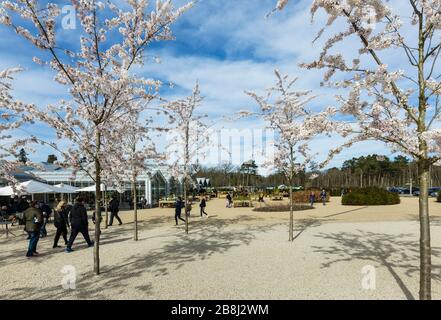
[
  {"x": 61, "y": 222},
  {"x": 229, "y": 200},
  {"x": 203, "y": 205},
  {"x": 114, "y": 209},
  {"x": 79, "y": 223},
  {"x": 188, "y": 207},
  {"x": 312, "y": 198},
  {"x": 178, "y": 209},
  {"x": 33, "y": 221},
  {"x": 323, "y": 196}
]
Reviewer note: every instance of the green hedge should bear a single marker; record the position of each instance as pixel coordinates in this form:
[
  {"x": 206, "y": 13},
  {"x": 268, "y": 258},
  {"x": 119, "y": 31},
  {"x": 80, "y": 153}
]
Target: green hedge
[{"x": 371, "y": 196}]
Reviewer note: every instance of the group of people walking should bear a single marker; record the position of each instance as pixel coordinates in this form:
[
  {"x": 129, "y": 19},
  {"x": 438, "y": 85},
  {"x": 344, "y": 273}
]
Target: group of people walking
[
  {"x": 65, "y": 217},
  {"x": 35, "y": 216},
  {"x": 179, "y": 204},
  {"x": 323, "y": 197}
]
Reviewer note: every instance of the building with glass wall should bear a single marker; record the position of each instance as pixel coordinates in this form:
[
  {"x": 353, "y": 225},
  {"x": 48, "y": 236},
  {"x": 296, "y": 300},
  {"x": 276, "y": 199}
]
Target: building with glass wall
[{"x": 151, "y": 186}]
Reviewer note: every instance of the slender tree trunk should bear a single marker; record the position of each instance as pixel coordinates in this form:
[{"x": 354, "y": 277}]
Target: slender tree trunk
[
  {"x": 186, "y": 159},
  {"x": 423, "y": 174},
  {"x": 425, "y": 246},
  {"x": 185, "y": 205},
  {"x": 106, "y": 209},
  {"x": 290, "y": 181},
  {"x": 96, "y": 248},
  {"x": 291, "y": 215},
  {"x": 135, "y": 207}
]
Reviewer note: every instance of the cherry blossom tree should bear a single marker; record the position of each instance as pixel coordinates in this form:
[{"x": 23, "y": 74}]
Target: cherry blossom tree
[
  {"x": 12, "y": 116},
  {"x": 285, "y": 111},
  {"x": 393, "y": 80},
  {"x": 136, "y": 151},
  {"x": 185, "y": 137},
  {"x": 97, "y": 71}
]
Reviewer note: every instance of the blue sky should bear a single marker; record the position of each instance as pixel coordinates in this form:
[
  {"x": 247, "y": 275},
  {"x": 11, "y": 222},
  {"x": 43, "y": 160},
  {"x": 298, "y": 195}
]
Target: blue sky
[{"x": 228, "y": 46}]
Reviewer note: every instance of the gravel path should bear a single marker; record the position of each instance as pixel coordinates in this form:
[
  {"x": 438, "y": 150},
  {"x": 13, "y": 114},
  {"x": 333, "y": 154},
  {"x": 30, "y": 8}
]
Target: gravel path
[{"x": 233, "y": 254}]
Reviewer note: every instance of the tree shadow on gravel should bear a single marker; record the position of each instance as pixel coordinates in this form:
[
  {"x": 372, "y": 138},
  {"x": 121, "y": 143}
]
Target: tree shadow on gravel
[
  {"x": 207, "y": 237},
  {"x": 392, "y": 251},
  {"x": 301, "y": 225}
]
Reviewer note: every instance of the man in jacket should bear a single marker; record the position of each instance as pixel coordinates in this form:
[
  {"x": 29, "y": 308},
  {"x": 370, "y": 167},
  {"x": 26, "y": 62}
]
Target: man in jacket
[
  {"x": 178, "y": 209},
  {"x": 61, "y": 222},
  {"x": 79, "y": 223},
  {"x": 33, "y": 220},
  {"x": 114, "y": 209},
  {"x": 203, "y": 205}
]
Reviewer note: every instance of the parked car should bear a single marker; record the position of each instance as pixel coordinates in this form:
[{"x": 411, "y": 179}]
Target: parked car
[
  {"x": 433, "y": 192},
  {"x": 394, "y": 190}
]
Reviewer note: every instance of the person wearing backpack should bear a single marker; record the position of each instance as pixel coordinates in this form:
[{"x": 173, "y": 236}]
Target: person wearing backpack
[
  {"x": 203, "y": 205},
  {"x": 33, "y": 219},
  {"x": 79, "y": 223},
  {"x": 61, "y": 222},
  {"x": 114, "y": 209}
]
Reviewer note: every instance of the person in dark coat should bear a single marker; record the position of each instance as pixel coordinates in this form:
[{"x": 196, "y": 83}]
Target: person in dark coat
[
  {"x": 33, "y": 220},
  {"x": 311, "y": 198},
  {"x": 61, "y": 222},
  {"x": 79, "y": 223},
  {"x": 114, "y": 209},
  {"x": 14, "y": 205},
  {"x": 178, "y": 210},
  {"x": 229, "y": 200},
  {"x": 46, "y": 211},
  {"x": 203, "y": 205},
  {"x": 323, "y": 196},
  {"x": 23, "y": 204}
]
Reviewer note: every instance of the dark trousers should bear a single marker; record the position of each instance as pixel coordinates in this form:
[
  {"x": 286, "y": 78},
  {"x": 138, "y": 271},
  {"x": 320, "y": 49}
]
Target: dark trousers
[
  {"x": 178, "y": 216},
  {"x": 33, "y": 240},
  {"x": 77, "y": 229},
  {"x": 203, "y": 211},
  {"x": 61, "y": 231},
  {"x": 114, "y": 215},
  {"x": 43, "y": 232}
]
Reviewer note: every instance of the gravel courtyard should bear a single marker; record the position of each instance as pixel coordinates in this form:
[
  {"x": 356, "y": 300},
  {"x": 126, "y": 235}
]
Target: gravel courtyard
[{"x": 235, "y": 254}]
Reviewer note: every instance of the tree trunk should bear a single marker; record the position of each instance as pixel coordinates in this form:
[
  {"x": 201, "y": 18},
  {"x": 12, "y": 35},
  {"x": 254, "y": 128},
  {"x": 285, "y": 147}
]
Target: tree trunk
[
  {"x": 290, "y": 181},
  {"x": 96, "y": 248},
  {"x": 135, "y": 208},
  {"x": 423, "y": 174},
  {"x": 291, "y": 215},
  {"x": 186, "y": 159},
  {"x": 106, "y": 209},
  {"x": 425, "y": 247},
  {"x": 185, "y": 205}
]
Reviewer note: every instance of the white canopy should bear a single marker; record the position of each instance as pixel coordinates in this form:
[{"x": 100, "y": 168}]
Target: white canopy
[
  {"x": 92, "y": 188},
  {"x": 64, "y": 188},
  {"x": 29, "y": 187}
]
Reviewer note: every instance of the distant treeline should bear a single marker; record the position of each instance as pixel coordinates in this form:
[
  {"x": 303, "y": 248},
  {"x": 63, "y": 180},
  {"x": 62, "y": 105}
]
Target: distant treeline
[{"x": 366, "y": 171}]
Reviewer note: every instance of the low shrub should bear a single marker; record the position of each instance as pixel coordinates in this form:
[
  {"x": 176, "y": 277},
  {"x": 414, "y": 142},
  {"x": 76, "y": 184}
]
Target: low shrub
[
  {"x": 303, "y": 196},
  {"x": 371, "y": 196},
  {"x": 282, "y": 208}
]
